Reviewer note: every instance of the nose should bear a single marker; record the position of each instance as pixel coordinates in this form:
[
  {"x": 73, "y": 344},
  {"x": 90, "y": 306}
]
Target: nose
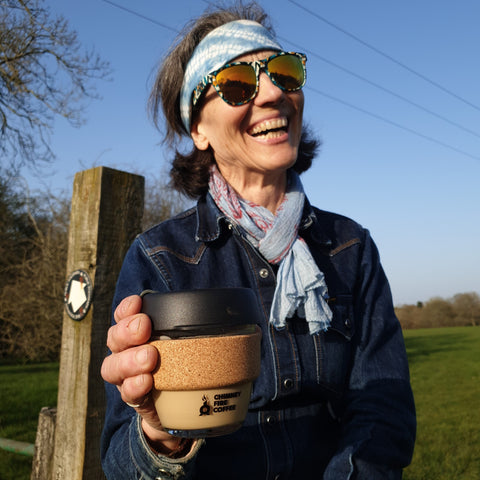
[{"x": 268, "y": 92}]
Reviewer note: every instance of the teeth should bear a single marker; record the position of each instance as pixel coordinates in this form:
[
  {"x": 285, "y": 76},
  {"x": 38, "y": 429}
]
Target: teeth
[
  {"x": 269, "y": 125},
  {"x": 273, "y": 134}
]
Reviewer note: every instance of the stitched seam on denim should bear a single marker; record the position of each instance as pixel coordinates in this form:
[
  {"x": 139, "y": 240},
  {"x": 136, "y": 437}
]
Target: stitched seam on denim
[
  {"x": 318, "y": 351},
  {"x": 192, "y": 260},
  {"x": 294, "y": 353},
  {"x": 144, "y": 244},
  {"x": 277, "y": 361},
  {"x": 271, "y": 340},
  {"x": 265, "y": 445},
  {"x": 157, "y": 261},
  {"x": 186, "y": 213},
  {"x": 206, "y": 236},
  {"x": 344, "y": 246}
]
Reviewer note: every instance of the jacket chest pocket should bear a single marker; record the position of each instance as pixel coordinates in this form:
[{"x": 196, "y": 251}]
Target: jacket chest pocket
[{"x": 333, "y": 347}]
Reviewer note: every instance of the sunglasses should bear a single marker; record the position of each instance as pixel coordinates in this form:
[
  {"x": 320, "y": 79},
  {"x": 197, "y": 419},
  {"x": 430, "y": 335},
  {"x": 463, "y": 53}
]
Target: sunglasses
[{"x": 237, "y": 82}]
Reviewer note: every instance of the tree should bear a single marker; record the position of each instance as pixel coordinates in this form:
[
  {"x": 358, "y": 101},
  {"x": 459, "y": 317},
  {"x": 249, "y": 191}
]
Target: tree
[
  {"x": 409, "y": 316},
  {"x": 16, "y": 230},
  {"x": 437, "y": 312},
  {"x": 161, "y": 200},
  {"x": 44, "y": 73},
  {"x": 467, "y": 308},
  {"x": 32, "y": 272}
]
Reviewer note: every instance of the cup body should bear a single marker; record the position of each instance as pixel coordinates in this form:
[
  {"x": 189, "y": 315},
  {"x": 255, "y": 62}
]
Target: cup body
[
  {"x": 203, "y": 413},
  {"x": 209, "y": 355}
]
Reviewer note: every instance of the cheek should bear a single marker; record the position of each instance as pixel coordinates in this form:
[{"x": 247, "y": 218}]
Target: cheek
[{"x": 224, "y": 123}]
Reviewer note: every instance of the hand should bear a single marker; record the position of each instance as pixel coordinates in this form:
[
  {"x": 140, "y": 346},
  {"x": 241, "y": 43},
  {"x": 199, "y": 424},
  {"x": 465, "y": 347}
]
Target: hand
[{"x": 130, "y": 366}]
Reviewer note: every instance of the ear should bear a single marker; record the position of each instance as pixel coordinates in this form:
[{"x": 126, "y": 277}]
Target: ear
[{"x": 198, "y": 136}]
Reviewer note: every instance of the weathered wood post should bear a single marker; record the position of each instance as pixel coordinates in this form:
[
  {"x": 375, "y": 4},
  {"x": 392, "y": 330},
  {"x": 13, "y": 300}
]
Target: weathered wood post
[
  {"x": 107, "y": 209},
  {"x": 42, "y": 463}
]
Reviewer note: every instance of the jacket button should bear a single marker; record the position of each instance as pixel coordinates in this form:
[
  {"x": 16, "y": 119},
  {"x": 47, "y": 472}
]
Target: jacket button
[
  {"x": 270, "y": 420},
  {"x": 288, "y": 383},
  {"x": 263, "y": 272}
]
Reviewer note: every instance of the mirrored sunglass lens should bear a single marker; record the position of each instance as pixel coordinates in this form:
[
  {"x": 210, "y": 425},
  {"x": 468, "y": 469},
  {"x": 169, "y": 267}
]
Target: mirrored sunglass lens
[
  {"x": 237, "y": 83},
  {"x": 287, "y": 71}
]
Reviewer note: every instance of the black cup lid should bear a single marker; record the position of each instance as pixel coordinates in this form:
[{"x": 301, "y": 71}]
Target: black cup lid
[{"x": 201, "y": 308}]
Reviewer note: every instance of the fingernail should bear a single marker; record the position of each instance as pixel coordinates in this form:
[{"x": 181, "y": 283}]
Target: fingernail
[
  {"x": 139, "y": 380},
  {"x": 134, "y": 324},
  {"x": 142, "y": 356}
]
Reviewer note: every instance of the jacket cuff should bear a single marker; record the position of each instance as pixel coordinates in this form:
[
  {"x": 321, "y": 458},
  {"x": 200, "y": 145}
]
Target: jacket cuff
[
  {"x": 345, "y": 466},
  {"x": 152, "y": 465},
  {"x": 340, "y": 466}
]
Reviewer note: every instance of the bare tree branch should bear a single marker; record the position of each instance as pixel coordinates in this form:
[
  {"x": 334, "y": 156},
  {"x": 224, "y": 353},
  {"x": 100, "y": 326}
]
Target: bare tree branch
[{"x": 44, "y": 72}]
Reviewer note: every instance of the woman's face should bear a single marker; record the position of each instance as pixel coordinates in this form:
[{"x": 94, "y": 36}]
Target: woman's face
[{"x": 255, "y": 142}]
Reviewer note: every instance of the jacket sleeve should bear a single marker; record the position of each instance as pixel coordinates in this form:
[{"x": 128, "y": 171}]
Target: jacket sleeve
[
  {"x": 125, "y": 453},
  {"x": 377, "y": 412}
]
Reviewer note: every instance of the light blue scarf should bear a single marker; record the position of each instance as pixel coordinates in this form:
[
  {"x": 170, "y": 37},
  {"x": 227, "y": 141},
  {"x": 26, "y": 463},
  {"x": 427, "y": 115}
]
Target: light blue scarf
[{"x": 300, "y": 285}]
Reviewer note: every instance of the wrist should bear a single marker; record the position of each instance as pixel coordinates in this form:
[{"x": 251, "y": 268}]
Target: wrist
[{"x": 165, "y": 444}]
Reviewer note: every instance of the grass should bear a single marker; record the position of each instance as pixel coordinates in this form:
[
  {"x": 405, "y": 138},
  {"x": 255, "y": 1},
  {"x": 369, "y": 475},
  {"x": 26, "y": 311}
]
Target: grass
[
  {"x": 24, "y": 390},
  {"x": 445, "y": 371}
]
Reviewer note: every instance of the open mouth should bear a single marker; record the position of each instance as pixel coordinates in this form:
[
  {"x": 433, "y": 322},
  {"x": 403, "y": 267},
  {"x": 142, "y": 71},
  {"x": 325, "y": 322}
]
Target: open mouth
[{"x": 270, "y": 129}]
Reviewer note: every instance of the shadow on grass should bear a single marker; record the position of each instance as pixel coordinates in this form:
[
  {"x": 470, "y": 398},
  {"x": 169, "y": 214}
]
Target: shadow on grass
[{"x": 420, "y": 347}]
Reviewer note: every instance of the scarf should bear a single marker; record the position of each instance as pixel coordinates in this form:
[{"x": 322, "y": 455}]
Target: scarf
[{"x": 301, "y": 286}]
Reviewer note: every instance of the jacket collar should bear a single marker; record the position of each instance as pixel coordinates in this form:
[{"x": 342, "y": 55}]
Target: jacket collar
[
  {"x": 312, "y": 227},
  {"x": 211, "y": 222}
]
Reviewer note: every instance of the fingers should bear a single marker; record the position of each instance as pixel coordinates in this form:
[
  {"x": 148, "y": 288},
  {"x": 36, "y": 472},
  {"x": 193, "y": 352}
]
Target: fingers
[
  {"x": 128, "y": 306},
  {"x": 129, "y": 332},
  {"x": 135, "y": 390},
  {"x": 132, "y": 327},
  {"x": 131, "y": 365}
]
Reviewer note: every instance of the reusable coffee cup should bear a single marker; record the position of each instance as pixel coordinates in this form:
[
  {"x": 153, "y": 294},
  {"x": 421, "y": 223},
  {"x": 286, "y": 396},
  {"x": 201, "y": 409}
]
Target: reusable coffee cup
[{"x": 209, "y": 354}]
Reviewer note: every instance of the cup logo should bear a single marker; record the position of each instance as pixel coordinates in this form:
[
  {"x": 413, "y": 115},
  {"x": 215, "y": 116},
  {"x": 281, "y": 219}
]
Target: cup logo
[{"x": 205, "y": 408}]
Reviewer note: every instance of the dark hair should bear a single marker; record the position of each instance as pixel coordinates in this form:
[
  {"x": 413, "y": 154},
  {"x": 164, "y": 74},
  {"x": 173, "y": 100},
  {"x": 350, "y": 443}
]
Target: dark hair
[{"x": 190, "y": 171}]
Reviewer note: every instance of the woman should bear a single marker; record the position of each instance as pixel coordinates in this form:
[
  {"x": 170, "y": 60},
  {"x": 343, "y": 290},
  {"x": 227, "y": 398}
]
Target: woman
[{"x": 333, "y": 398}]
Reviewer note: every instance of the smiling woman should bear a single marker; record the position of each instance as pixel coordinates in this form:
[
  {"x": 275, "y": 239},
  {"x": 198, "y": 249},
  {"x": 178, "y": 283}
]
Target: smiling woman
[
  {"x": 332, "y": 399},
  {"x": 254, "y": 143},
  {"x": 190, "y": 172}
]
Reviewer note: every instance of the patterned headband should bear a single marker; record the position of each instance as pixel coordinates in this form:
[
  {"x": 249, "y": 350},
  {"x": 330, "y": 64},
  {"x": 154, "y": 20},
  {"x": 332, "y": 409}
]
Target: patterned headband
[{"x": 220, "y": 46}]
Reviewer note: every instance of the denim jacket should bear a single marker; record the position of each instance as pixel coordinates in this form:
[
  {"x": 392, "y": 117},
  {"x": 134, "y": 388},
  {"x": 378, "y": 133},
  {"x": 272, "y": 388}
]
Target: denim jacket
[{"x": 335, "y": 406}]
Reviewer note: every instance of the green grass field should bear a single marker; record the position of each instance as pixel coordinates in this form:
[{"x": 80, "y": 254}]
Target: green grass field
[
  {"x": 24, "y": 390},
  {"x": 445, "y": 370}
]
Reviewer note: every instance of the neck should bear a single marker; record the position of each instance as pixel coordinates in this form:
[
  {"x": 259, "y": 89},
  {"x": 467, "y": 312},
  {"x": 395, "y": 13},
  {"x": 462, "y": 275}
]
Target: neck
[{"x": 265, "y": 190}]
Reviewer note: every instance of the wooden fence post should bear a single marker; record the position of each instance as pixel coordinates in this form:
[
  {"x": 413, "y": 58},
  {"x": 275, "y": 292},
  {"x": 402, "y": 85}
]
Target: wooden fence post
[
  {"x": 42, "y": 463},
  {"x": 107, "y": 209}
]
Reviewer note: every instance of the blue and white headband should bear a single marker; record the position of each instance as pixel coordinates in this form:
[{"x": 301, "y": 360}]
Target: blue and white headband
[{"x": 219, "y": 47}]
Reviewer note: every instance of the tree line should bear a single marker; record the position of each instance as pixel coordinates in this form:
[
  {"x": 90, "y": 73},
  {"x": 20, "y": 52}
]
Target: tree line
[{"x": 463, "y": 309}]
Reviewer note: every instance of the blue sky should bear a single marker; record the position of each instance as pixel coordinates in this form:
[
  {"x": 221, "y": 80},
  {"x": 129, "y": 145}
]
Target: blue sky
[{"x": 400, "y": 155}]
